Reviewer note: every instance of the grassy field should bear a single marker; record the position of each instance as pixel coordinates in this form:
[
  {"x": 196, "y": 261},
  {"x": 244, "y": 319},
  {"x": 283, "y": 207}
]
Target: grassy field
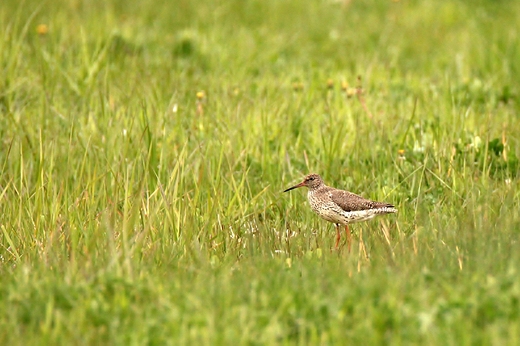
[{"x": 145, "y": 146}]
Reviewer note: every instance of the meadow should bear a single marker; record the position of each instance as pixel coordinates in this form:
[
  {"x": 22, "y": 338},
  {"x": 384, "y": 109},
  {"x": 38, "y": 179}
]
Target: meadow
[{"x": 145, "y": 147}]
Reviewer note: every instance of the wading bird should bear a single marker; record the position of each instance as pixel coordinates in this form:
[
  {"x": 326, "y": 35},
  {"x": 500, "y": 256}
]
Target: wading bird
[{"x": 340, "y": 207}]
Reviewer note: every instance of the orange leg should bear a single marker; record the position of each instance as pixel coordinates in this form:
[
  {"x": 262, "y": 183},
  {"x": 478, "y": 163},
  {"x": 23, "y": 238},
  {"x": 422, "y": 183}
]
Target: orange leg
[
  {"x": 338, "y": 236},
  {"x": 347, "y": 231}
]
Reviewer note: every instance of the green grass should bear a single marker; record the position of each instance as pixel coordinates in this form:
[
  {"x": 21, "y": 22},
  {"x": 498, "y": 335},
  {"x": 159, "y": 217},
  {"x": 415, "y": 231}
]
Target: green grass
[{"x": 135, "y": 212}]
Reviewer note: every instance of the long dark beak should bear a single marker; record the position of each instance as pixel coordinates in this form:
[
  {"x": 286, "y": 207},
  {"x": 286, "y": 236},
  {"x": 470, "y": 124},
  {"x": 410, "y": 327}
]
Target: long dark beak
[{"x": 295, "y": 187}]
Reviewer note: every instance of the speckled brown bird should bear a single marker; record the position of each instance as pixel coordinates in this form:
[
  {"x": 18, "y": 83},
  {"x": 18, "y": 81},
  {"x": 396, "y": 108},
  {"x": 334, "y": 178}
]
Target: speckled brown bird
[{"x": 340, "y": 207}]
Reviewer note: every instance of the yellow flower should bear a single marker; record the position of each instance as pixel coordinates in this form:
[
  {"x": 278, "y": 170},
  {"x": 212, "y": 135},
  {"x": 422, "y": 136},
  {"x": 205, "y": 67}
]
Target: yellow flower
[
  {"x": 42, "y": 29},
  {"x": 297, "y": 86},
  {"x": 351, "y": 92}
]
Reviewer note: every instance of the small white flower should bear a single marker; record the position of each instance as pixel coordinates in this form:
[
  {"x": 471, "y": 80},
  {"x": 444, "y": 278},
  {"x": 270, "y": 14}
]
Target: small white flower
[{"x": 417, "y": 148}]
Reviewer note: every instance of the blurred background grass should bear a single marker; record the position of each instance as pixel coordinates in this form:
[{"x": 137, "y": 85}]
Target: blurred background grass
[{"x": 145, "y": 146}]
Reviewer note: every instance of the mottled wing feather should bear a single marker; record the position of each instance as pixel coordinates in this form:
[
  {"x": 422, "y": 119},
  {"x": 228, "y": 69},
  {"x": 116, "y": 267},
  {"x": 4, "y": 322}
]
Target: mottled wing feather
[{"x": 349, "y": 201}]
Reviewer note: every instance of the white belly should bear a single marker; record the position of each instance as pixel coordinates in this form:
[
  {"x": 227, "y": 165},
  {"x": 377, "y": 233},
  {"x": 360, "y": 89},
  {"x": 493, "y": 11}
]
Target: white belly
[{"x": 343, "y": 217}]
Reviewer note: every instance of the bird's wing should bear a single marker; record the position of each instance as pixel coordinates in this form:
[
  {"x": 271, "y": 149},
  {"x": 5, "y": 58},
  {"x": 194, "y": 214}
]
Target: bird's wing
[{"x": 349, "y": 201}]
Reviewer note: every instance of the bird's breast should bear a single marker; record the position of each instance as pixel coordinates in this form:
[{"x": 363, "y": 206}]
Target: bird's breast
[{"x": 323, "y": 206}]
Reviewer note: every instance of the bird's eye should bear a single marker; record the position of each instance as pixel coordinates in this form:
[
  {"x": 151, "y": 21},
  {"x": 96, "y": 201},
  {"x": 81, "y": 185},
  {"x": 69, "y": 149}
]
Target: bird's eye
[{"x": 311, "y": 178}]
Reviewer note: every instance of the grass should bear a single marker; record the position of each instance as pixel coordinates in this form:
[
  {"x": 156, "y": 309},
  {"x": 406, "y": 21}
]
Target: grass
[{"x": 145, "y": 147}]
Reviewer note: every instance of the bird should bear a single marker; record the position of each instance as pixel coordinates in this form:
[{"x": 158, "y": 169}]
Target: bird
[{"x": 339, "y": 206}]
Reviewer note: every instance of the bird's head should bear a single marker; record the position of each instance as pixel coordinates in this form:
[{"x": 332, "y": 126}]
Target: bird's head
[{"x": 312, "y": 181}]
